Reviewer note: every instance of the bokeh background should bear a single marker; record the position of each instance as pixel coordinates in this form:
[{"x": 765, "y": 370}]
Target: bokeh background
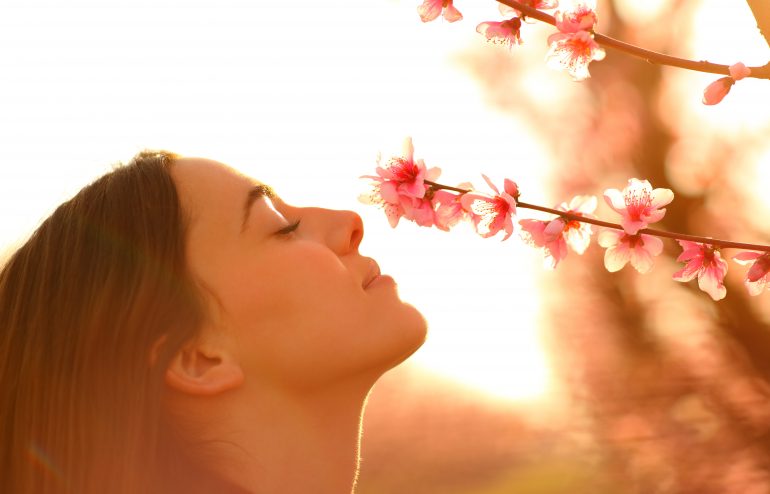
[{"x": 531, "y": 381}]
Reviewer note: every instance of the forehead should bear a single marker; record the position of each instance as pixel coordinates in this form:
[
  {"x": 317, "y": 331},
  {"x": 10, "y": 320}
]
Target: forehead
[{"x": 205, "y": 184}]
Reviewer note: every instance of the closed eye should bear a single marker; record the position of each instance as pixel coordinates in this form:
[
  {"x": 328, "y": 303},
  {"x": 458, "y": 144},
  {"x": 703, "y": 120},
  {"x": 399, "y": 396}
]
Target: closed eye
[{"x": 289, "y": 228}]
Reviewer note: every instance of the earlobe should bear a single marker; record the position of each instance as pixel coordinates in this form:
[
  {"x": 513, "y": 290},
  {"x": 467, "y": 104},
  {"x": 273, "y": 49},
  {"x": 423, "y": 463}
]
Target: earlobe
[{"x": 202, "y": 371}]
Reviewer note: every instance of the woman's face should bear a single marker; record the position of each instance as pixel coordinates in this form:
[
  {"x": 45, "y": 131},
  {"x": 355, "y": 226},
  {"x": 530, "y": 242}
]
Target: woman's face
[{"x": 298, "y": 306}]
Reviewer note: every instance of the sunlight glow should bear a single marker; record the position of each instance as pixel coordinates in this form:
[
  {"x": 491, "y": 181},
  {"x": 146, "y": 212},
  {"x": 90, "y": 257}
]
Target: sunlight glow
[{"x": 301, "y": 96}]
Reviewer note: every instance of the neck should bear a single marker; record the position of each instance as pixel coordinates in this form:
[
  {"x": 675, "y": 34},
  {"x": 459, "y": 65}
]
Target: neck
[{"x": 291, "y": 442}]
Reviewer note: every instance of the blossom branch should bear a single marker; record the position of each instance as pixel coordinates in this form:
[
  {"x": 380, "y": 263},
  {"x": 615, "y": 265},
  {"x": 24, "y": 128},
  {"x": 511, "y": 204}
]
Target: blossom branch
[
  {"x": 761, "y": 11},
  {"x": 406, "y": 187},
  {"x": 762, "y": 72},
  {"x": 715, "y": 242}
]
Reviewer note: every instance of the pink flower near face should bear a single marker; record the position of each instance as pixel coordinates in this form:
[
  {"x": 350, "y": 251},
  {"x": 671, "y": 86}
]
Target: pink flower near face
[
  {"x": 758, "y": 276},
  {"x": 431, "y": 9},
  {"x": 548, "y": 236},
  {"x": 573, "y": 52},
  {"x": 638, "y": 204},
  {"x": 393, "y": 211},
  {"x": 449, "y": 208},
  {"x": 580, "y": 16},
  {"x": 418, "y": 210},
  {"x": 623, "y": 248},
  {"x": 397, "y": 183},
  {"x": 705, "y": 262},
  {"x": 492, "y": 213},
  {"x": 405, "y": 176},
  {"x": 504, "y": 33}
]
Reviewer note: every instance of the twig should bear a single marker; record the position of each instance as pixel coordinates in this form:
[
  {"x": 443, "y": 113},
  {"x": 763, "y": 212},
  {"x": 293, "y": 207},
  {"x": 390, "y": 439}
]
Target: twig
[
  {"x": 715, "y": 242},
  {"x": 762, "y": 72}
]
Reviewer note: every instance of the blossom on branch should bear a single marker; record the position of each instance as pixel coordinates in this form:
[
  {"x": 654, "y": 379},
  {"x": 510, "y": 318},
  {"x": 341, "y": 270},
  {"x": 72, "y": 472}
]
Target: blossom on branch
[
  {"x": 717, "y": 90},
  {"x": 556, "y": 235},
  {"x": 506, "y": 32},
  {"x": 758, "y": 276},
  {"x": 431, "y": 9},
  {"x": 492, "y": 213},
  {"x": 399, "y": 187},
  {"x": 573, "y": 52},
  {"x": 449, "y": 208},
  {"x": 623, "y": 248},
  {"x": 551, "y": 240},
  {"x": 580, "y": 16},
  {"x": 576, "y": 233},
  {"x": 705, "y": 262},
  {"x": 638, "y": 204},
  {"x": 541, "y": 4}
]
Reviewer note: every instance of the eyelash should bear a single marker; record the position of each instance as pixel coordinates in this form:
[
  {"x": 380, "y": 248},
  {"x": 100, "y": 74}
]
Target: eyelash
[{"x": 289, "y": 229}]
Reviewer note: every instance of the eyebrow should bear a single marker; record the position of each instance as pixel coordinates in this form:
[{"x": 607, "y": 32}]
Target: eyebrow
[{"x": 255, "y": 193}]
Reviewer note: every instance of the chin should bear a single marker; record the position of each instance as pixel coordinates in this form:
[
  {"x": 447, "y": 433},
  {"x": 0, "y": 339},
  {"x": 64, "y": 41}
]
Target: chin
[{"x": 414, "y": 330}]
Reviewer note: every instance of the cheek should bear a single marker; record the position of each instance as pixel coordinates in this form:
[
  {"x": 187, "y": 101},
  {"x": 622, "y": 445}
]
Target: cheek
[{"x": 288, "y": 307}]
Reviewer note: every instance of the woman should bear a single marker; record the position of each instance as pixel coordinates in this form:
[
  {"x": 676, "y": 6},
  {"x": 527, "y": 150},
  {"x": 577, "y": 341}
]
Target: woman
[{"x": 176, "y": 327}]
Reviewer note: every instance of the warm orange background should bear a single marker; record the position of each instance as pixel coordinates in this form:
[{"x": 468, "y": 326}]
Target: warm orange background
[{"x": 531, "y": 382}]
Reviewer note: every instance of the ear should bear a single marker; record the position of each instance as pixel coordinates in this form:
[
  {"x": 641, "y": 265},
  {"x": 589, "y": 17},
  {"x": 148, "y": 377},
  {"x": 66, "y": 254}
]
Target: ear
[{"x": 203, "y": 369}]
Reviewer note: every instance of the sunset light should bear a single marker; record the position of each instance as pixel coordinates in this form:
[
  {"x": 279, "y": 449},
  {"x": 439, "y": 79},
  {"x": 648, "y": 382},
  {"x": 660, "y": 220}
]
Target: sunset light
[{"x": 618, "y": 342}]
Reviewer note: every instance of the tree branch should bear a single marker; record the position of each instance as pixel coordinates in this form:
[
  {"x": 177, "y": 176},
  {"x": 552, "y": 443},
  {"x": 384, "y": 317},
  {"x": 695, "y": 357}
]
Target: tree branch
[
  {"x": 762, "y": 72},
  {"x": 761, "y": 11},
  {"x": 715, "y": 242}
]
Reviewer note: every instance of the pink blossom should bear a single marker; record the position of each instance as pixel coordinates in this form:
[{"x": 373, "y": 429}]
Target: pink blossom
[
  {"x": 573, "y": 52},
  {"x": 430, "y": 10},
  {"x": 705, "y": 262},
  {"x": 538, "y": 234},
  {"x": 581, "y": 16},
  {"x": 399, "y": 185},
  {"x": 717, "y": 90},
  {"x": 405, "y": 176},
  {"x": 556, "y": 235},
  {"x": 449, "y": 208},
  {"x": 758, "y": 276},
  {"x": 576, "y": 233},
  {"x": 505, "y": 10},
  {"x": 623, "y": 248},
  {"x": 419, "y": 210},
  {"x": 542, "y": 4},
  {"x": 505, "y": 32},
  {"x": 638, "y": 204},
  {"x": 393, "y": 211},
  {"x": 492, "y": 213}
]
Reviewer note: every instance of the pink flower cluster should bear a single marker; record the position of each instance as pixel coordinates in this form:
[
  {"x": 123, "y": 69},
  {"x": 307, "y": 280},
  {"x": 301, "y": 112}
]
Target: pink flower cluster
[
  {"x": 430, "y": 10},
  {"x": 404, "y": 187},
  {"x": 572, "y": 48}
]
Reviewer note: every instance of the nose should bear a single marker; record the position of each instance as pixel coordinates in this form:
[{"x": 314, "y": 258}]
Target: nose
[{"x": 344, "y": 231}]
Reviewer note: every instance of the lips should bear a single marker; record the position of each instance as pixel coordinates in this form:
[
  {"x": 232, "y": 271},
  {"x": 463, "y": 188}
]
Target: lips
[{"x": 372, "y": 274}]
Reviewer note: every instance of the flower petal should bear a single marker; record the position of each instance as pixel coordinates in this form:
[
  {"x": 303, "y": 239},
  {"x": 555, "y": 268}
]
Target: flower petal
[
  {"x": 661, "y": 197},
  {"x": 616, "y": 257},
  {"x": 614, "y": 199},
  {"x": 608, "y": 237}
]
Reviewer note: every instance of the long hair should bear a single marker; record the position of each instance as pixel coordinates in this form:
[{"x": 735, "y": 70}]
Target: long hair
[{"x": 92, "y": 309}]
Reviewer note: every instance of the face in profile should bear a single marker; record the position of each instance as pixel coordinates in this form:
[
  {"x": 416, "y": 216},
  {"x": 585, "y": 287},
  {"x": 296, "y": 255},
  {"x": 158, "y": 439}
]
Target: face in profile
[{"x": 290, "y": 296}]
